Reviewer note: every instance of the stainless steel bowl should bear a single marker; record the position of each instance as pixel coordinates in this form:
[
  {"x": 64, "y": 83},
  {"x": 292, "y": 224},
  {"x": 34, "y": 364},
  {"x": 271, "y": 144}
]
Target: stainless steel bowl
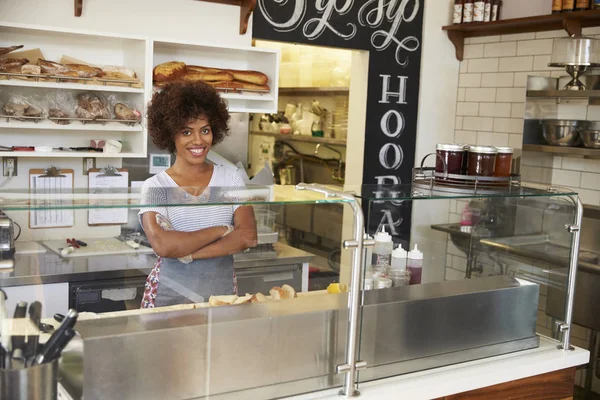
[
  {"x": 562, "y": 132},
  {"x": 591, "y": 135}
]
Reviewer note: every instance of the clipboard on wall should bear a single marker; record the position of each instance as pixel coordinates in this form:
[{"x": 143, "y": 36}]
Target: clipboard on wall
[
  {"x": 103, "y": 181},
  {"x": 52, "y": 191}
]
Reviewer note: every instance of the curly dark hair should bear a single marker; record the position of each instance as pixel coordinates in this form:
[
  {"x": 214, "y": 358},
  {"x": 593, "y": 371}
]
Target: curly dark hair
[{"x": 180, "y": 102}]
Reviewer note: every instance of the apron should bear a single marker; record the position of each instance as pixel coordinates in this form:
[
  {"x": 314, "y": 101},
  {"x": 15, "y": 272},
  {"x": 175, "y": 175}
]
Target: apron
[{"x": 172, "y": 282}]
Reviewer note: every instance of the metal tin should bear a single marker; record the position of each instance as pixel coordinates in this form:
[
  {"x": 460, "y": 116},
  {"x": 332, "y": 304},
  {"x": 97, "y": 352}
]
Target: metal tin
[
  {"x": 505, "y": 150},
  {"x": 37, "y": 382}
]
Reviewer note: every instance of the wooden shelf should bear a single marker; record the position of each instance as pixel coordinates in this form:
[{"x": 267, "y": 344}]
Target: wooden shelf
[
  {"x": 246, "y": 9},
  {"x": 570, "y": 22},
  {"x": 301, "y": 138},
  {"x": 308, "y": 91},
  {"x": 566, "y": 151}
]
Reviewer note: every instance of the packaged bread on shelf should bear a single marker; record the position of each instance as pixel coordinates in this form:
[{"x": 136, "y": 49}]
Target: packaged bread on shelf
[
  {"x": 6, "y": 50},
  {"x": 85, "y": 71},
  {"x": 92, "y": 106},
  {"x": 12, "y": 64}
]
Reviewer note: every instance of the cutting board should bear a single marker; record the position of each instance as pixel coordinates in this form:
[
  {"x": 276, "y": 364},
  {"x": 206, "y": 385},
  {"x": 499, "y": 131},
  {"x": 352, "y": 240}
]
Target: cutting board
[
  {"x": 29, "y": 248},
  {"x": 96, "y": 247}
]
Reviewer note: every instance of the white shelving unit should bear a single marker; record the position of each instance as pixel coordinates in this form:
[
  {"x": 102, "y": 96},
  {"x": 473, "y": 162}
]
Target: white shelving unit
[
  {"x": 91, "y": 47},
  {"x": 140, "y": 54},
  {"x": 240, "y": 58}
]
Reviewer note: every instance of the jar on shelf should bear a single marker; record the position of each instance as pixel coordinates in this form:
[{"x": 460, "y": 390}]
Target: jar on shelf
[
  {"x": 482, "y": 160},
  {"x": 452, "y": 155},
  {"x": 503, "y": 165}
]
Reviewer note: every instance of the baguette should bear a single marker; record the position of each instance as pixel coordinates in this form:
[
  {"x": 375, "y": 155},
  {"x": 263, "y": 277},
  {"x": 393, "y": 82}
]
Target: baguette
[
  {"x": 208, "y": 76},
  {"x": 198, "y": 68},
  {"x": 12, "y": 64},
  {"x": 31, "y": 69},
  {"x": 54, "y": 68},
  {"x": 85, "y": 71},
  {"x": 168, "y": 71},
  {"x": 227, "y": 85},
  {"x": 255, "y": 77},
  {"x": 126, "y": 73},
  {"x": 6, "y": 50}
]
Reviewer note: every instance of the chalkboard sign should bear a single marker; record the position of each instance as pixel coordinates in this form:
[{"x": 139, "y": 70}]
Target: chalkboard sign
[{"x": 391, "y": 31}]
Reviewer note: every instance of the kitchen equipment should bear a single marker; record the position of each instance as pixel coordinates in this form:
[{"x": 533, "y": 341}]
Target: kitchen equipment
[
  {"x": 562, "y": 132},
  {"x": 37, "y": 382},
  {"x": 59, "y": 339},
  {"x": 18, "y": 341},
  {"x": 107, "y": 295},
  {"x": 35, "y": 314},
  {"x": 576, "y": 55},
  {"x": 7, "y": 241},
  {"x": 97, "y": 247},
  {"x": 590, "y": 136}
]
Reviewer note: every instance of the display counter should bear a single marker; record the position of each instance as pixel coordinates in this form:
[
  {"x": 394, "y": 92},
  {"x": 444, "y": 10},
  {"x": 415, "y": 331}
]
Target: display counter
[{"x": 280, "y": 344}]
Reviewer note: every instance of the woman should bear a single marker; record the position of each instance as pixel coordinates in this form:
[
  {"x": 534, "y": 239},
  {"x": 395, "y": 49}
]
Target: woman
[{"x": 195, "y": 244}]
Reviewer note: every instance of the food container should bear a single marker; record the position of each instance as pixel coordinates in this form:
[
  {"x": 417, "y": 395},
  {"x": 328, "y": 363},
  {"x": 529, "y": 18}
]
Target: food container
[
  {"x": 382, "y": 283},
  {"x": 504, "y": 159},
  {"x": 591, "y": 135},
  {"x": 37, "y": 382},
  {"x": 575, "y": 51},
  {"x": 482, "y": 160},
  {"x": 562, "y": 132},
  {"x": 265, "y": 220},
  {"x": 452, "y": 155}
]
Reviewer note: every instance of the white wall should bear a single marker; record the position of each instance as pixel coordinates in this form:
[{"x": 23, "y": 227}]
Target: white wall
[
  {"x": 527, "y": 8},
  {"x": 437, "y": 105},
  {"x": 180, "y": 19}
]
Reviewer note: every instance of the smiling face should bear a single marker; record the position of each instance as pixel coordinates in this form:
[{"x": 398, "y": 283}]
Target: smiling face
[{"x": 194, "y": 140}]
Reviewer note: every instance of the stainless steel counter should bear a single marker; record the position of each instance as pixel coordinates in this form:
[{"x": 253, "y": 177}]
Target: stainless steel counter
[{"x": 48, "y": 267}]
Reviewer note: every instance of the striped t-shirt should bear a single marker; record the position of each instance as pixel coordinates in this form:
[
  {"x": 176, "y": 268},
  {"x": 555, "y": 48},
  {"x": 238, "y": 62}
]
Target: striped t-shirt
[{"x": 161, "y": 189}]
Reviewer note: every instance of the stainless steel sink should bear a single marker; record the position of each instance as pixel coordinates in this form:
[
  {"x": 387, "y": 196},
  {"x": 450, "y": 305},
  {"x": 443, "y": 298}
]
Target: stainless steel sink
[{"x": 466, "y": 239}]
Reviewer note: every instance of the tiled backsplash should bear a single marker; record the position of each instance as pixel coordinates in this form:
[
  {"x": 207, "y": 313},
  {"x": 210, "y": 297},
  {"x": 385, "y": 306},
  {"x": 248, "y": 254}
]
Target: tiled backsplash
[
  {"x": 491, "y": 106},
  {"x": 491, "y": 110}
]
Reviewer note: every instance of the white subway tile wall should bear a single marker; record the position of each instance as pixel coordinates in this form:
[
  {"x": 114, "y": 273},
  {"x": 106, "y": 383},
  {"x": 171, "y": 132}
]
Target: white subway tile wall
[
  {"x": 491, "y": 106},
  {"x": 491, "y": 109}
]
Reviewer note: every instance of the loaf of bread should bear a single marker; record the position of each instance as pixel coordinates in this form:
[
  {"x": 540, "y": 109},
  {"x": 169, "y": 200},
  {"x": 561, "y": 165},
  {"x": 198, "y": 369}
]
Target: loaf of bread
[
  {"x": 226, "y": 85},
  {"x": 282, "y": 293},
  {"x": 54, "y": 68},
  {"x": 198, "y": 68},
  {"x": 255, "y": 77},
  {"x": 195, "y": 76},
  {"x": 168, "y": 71},
  {"x": 31, "y": 69},
  {"x": 85, "y": 71},
  {"x": 121, "y": 72},
  {"x": 6, "y": 50},
  {"x": 222, "y": 300},
  {"x": 12, "y": 64},
  {"x": 258, "y": 298},
  {"x": 243, "y": 299}
]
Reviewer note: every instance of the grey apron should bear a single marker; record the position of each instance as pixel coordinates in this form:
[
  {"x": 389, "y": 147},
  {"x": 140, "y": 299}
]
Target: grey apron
[{"x": 194, "y": 282}]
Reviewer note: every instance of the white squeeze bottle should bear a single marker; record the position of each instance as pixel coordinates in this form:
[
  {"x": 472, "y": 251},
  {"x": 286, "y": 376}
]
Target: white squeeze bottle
[
  {"x": 382, "y": 253},
  {"x": 398, "y": 273},
  {"x": 415, "y": 265},
  {"x": 368, "y": 257}
]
